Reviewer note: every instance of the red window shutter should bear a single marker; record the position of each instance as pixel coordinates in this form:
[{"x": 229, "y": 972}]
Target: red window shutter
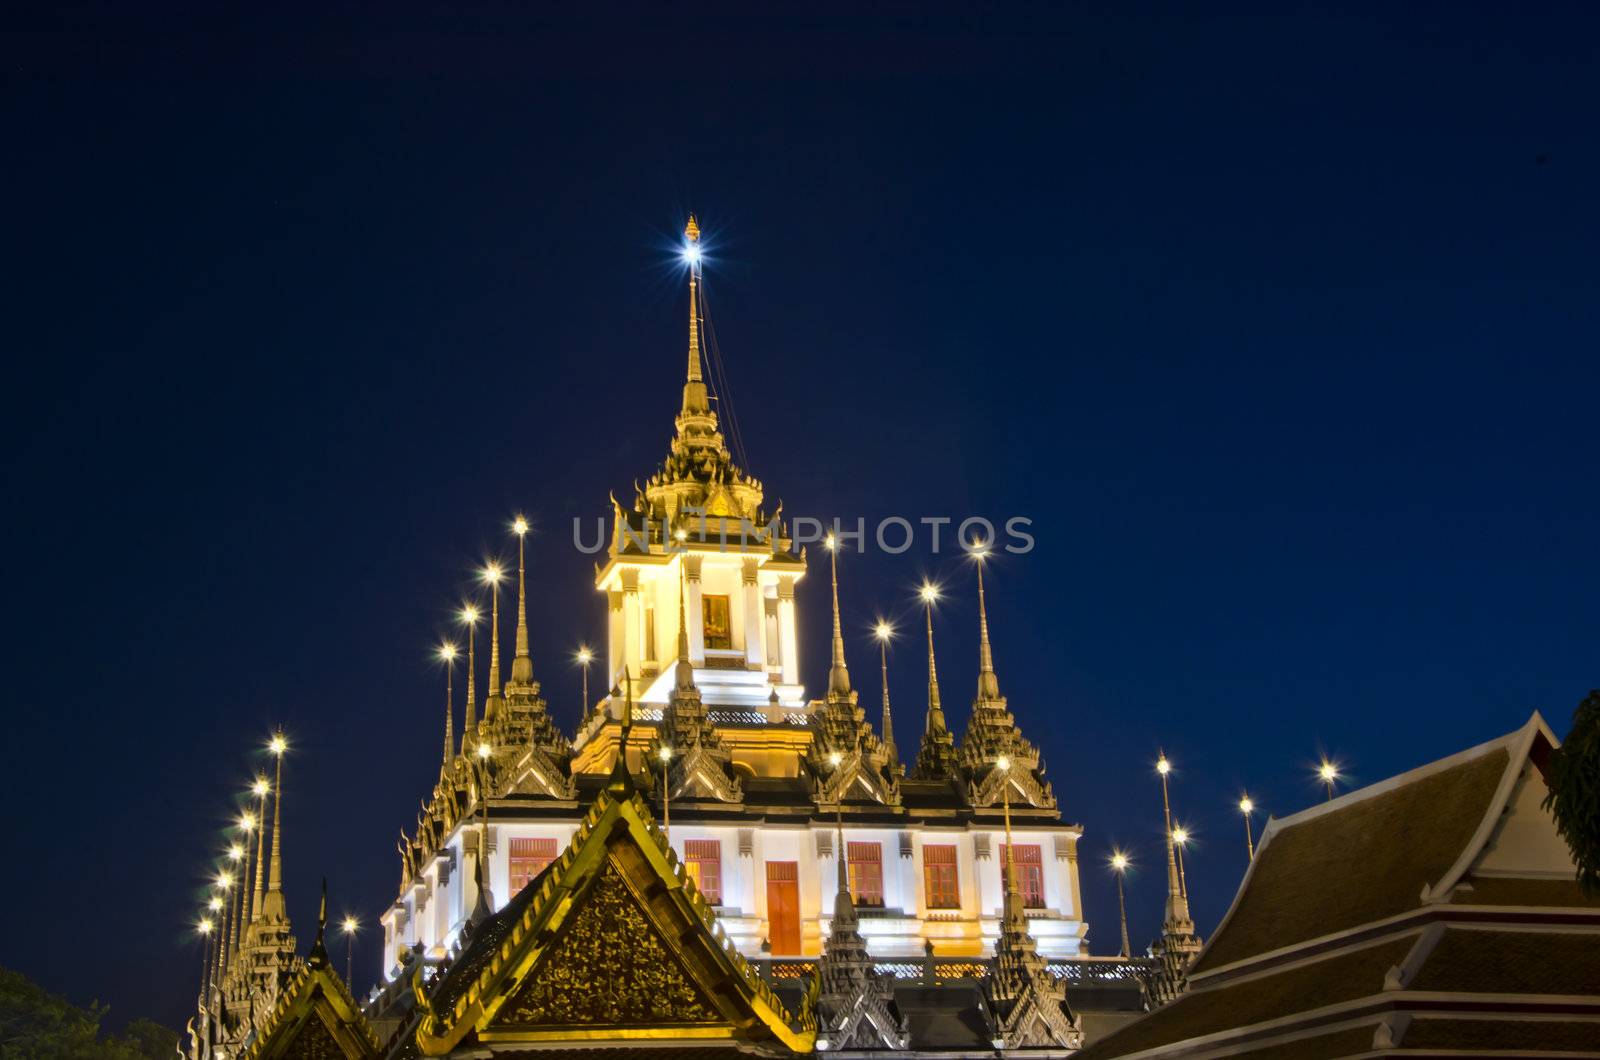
[
  {"x": 939, "y": 874},
  {"x": 865, "y": 864},
  {"x": 1030, "y": 873},
  {"x": 703, "y": 859}
]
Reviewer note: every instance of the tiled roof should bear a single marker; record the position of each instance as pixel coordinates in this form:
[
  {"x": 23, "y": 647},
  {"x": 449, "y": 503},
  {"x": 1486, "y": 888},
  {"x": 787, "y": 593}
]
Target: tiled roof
[
  {"x": 1345, "y": 977},
  {"x": 1582, "y": 1039},
  {"x": 1347, "y": 1042},
  {"x": 1358, "y": 862},
  {"x": 480, "y": 947},
  {"x": 1497, "y": 890},
  {"x": 1483, "y": 961}
]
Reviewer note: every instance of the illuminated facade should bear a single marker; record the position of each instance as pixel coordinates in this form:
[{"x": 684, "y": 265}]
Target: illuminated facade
[{"x": 703, "y": 637}]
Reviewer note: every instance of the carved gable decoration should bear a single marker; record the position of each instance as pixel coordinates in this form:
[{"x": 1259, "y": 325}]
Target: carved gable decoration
[
  {"x": 614, "y": 943},
  {"x": 610, "y": 968},
  {"x": 316, "y": 1019}
]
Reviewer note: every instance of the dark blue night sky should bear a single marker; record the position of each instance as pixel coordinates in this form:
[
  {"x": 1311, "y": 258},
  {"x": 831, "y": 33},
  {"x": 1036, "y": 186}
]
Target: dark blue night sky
[{"x": 1280, "y": 326}]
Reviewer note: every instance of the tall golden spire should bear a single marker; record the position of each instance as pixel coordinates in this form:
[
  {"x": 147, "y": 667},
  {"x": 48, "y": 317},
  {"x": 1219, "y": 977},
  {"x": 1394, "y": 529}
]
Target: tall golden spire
[
  {"x": 935, "y": 709},
  {"x": 447, "y": 652},
  {"x": 261, "y": 789},
  {"x": 936, "y": 758},
  {"x": 838, "y": 675},
  {"x": 883, "y": 632},
  {"x": 469, "y": 724},
  {"x": 988, "y": 683},
  {"x": 272, "y": 905},
  {"x": 491, "y": 574},
  {"x": 522, "y": 664},
  {"x": 695, "y": 401},
  {"x": 691, "y": 233},
  {"x": 1177, "y": 900}
]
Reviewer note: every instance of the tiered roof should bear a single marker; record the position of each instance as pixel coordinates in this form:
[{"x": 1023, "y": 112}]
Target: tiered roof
[{"x": 1432, "y": 912}]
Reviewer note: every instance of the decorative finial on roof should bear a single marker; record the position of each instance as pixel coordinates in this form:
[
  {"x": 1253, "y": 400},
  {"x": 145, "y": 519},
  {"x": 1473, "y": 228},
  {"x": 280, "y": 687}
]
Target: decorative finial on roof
[
  {"x": 621, "y": 782},
  {"x": 522, "y": 664},
  {"x": 694, "y": 389},
  {"x": 838, "y": 675},
  {"x": 278, "y": 746},
  {"x": 936, "y": 758},
  {"x": 447, "y": 653},
  {"x": 988, "y": 683},
  {"x": 319, "y": 953},
  {"x": 883, "y": 631},
  {"x": 492, "y": 575},
  {"x": 469, "y": 726}
]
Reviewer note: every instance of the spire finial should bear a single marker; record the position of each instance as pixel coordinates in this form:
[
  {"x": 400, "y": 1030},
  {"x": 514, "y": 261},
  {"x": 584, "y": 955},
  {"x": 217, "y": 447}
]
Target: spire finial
[
  {"x": 319, "y": 952},
  {"x": 522, "y": 664},
  {"x": 988, "y": 683},
  {"x": 930, "y": 593},
  {"x": 838, "y": 675},
  {"x": 260, "y": 789},
  {"x": 492, "y": 575},
  {"x": 447, "y": 652},
  {"x": 277, "y": 746},
  {"x": 691, "y": 254},
  {"x": 621, "y": 782},
  {"x": 883, "y": 631},
  {"x": 469, "y": 724}
]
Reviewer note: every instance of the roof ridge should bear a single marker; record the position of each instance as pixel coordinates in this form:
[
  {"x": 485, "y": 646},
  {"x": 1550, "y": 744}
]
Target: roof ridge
[
  {"x": 1277, "y": 825},
  {"x": 1520, "y": 754}
]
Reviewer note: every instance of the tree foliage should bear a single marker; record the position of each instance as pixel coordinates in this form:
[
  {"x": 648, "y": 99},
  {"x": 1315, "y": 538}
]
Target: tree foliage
[
  {"x": 38, "y": 1025},
  {"x": 1574, "y": 798}
]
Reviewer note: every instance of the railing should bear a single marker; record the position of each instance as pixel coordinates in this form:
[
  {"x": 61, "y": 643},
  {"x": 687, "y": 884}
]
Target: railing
[{"x": 933, "y": 971}]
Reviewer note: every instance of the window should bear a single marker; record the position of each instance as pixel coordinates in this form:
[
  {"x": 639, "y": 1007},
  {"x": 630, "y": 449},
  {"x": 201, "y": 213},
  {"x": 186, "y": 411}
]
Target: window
[
  {"x": 1030, "y": 874},
  {"x": 702, "y": 859},
  {"x": 865, "y": 864},
  {"x": 939, "y": 872},
  {"x": 715, "y": 610},
  {"x": 528, "y": 859}
]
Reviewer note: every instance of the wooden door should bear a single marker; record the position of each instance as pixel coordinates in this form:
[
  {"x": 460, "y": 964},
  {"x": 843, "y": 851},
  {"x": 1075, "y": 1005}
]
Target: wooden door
[{"x": 783, "y": 907}]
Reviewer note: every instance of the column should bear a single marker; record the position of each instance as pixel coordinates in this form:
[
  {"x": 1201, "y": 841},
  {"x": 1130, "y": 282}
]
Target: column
[
  {"x": 697, "y": 624},
  {"x": 616, "y": 645},
  {"x": 790, "y": 654},
  {"x": 632, "y": 627},
  {"x": 755, "y": 654}
]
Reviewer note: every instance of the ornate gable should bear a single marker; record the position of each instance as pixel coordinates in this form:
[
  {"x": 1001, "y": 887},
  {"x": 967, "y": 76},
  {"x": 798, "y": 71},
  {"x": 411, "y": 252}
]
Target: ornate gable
[
  {"x": 616, "y": 943},
  {"x": 610, "y": 967},
  {"x": 316, "y": 1019}
]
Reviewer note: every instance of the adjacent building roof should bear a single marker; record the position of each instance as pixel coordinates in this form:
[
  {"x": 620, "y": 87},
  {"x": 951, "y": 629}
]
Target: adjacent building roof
[
  {"x": 315, "y": 1018},
  {"x": 1432, "y": 914}
]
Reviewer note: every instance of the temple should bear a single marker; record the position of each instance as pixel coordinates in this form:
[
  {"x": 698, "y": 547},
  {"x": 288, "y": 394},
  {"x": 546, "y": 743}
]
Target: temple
[
  {"x": 717, "y": 862},
  {"x": 703, "y": 632}
]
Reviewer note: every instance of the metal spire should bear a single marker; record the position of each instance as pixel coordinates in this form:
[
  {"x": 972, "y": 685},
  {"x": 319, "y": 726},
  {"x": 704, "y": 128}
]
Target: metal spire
[
  {"x": 522, "y": 664},
  {"x": 275, "y": 868},
  {"x": 889, "y": 751},
  {"x": 838, "y": 675},
  {"x": 492, "y": 574},
  {"x": 262, "y": 791},
  {"x": 448, "y": 652},
  {"x": 988, "y": 683},
  {"x": 935, "y": 710},
  {"x": 691, "y": 232},
  {"x": 469, "y": 725}
]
